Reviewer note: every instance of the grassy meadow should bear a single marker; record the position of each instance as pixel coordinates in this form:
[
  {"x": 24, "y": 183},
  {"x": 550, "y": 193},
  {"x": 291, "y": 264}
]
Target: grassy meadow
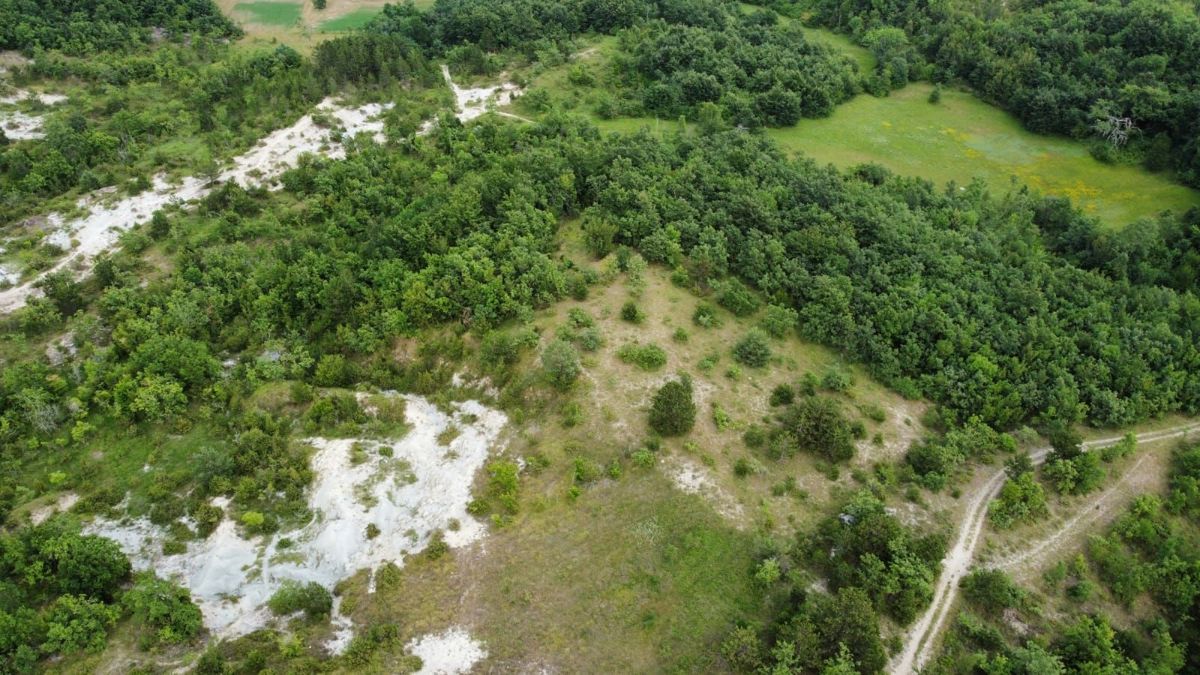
[
  {"x": 961, "y": 138},
  {"x": 274, "y": 13}
]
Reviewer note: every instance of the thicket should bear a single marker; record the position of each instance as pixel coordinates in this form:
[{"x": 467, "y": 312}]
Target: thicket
[
  {"x": 756, "y": 72},
  {"x": 62, "y": 591},
  {"x": 83, "y": 27},
  {"x": 221, "y": 97},
  {"x": 706, "y": 60},
  {"x": 874, "y": 566}
]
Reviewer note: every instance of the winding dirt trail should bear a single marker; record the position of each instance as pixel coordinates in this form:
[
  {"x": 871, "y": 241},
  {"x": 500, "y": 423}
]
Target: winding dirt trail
[{"x": 922, "y": 638}]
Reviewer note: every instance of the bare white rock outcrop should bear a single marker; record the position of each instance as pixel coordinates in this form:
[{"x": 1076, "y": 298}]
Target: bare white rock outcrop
[
  {"x": 413, "y": 490},
  {"x": 279, "y": 151}
]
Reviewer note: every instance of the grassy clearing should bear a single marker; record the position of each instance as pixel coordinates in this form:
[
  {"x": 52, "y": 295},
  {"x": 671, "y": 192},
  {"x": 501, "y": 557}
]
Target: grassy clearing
[
  {"x": 962, "y": 138},
  {"x": 272, "y": 13},
  {"x": 631, "y": 577},
  {"x": 958, "y": 139},
  {"x": 351, "y": 21}
]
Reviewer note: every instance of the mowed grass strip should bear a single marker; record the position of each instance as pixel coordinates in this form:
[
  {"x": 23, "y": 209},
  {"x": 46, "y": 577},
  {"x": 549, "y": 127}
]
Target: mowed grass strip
[
  {"x": 270, "y": 13},
  {"x": 962, "y": 137}
]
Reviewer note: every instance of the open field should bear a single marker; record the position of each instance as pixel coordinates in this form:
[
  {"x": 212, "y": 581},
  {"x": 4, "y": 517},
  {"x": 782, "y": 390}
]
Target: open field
[
  {"x": 276, "y": 13},
  {"x": 355, "y": 19},
  {"x": 637, "y": 573},
  {"x": 962, "y": 138},
  {"x": 297, "y": 23}
]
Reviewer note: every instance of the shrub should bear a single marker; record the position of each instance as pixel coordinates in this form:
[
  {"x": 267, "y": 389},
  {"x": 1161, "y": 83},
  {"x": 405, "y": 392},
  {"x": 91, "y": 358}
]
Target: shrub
[
  {"x": 991, "y": 591},
  {"x": 836, "y": 380},
  {"x": 742, "y": 467},
  {"x": 673, "y": 412},
  {"x": 817, "y": 424},
  {"x": 78, "y": 623},
  {"x": 333, "y": 370},
  {"x": 590, "y": 339},
  {"x": 782, "y": 394},
  {"x": 631, "y": 313},
  {"x": 753, "y": 350},
  {"x": 504, "y": 484},
  {"x": 164, "y": 607},
  {"x": 721, "y": 418},
  {"x": 705, "y": 316},
  {"x": 560, "y": 362},
  {"x": 585, "y": 471},
  {"x": 734, "y": 296},
  {"x": 504, "y": 348},
  {"x": 1021, "y": 500},
  {"x": 778, "y": 321},
  {"x": 311, "y": 598},
  {"x": 646, "y": 357}
]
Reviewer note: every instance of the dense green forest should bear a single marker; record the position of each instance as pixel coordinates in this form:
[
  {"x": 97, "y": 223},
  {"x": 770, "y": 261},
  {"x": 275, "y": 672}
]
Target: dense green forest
[
  {"x": 747, "y": 69},
  {"x": 1006, "y": 312},
  {"x": 82, "y": 27},
  {"x": 1072, "y": 67}
]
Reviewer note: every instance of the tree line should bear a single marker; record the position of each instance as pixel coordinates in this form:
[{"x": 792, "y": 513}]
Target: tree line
[{"x": 83, "y": 27}]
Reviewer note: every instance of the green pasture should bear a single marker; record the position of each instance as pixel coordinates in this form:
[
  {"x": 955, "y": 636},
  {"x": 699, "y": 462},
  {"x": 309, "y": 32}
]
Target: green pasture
[
  {"x": 270, "y": 13},
  {"x": 962, "y": 138},
  {"x": 351, "y": 21}
]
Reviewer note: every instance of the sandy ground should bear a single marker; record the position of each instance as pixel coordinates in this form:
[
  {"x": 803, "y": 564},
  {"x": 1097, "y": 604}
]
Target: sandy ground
[
  {"x": 693, "y": 478},
  {"x": 922, "y": 638},
  {"x": 472, "y": 103},
  {"x": 19, "y": 126},
  {"x": 61, "y": 505},
  {"x": 450, "y": 652},
  {"x": 422, "y": 489},
  {"x": 276, "y": 153}
]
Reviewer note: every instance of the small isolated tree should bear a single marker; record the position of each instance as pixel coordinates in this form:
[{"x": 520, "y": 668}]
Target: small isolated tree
[
  {"x": 62, "y": 289},
  {"x": 673, "y": 412},
  {"x": 816, "y": 424},
  {"x": 160, "y": 225},
  {"x": 561, "y": 364},
  {"x": 754, "y": 350},
  {"x": 319, "y": 4}
]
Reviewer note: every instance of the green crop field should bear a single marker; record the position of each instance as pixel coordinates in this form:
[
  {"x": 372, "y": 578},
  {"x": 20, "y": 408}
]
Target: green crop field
[
  {"x": 270, "y": 13},
  {"x": 962, "y": 137},
  {"x": 356, "y": 19}
]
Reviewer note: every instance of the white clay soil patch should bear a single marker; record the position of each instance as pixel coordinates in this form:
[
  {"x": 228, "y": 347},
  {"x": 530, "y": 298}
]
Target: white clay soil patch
[
  {"x": 279, "y": 151},
  {"x": 451, "y": 652},
  {"x": 423, "y": 488}
]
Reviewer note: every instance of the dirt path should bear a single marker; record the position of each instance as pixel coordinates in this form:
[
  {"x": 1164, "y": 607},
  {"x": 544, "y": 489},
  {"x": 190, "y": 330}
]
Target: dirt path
[
  {"x": 1104, "y": 507},
  {"x": 922, "y": 638}
]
